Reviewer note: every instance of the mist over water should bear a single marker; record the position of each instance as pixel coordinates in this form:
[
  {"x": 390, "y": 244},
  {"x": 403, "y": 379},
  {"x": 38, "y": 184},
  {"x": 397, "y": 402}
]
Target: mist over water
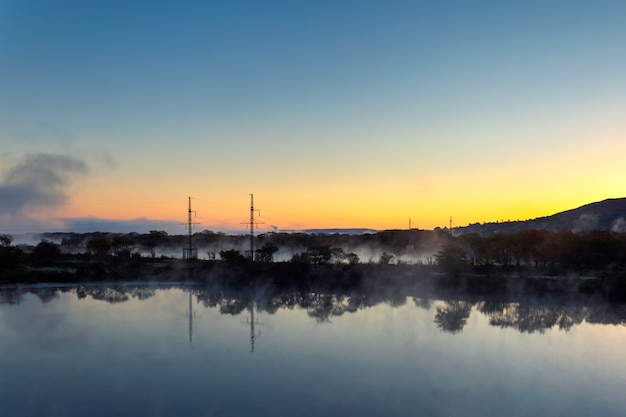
[{"x": 151, "y": 350}]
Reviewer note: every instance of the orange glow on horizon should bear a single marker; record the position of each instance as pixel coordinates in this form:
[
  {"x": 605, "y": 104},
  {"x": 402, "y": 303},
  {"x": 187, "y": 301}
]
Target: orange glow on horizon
[{"x": 492, "y": 191}]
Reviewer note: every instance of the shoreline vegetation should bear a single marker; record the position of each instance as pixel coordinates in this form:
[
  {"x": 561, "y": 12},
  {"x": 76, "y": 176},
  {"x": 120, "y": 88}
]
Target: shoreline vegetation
[{"x": 533, "y": 261}]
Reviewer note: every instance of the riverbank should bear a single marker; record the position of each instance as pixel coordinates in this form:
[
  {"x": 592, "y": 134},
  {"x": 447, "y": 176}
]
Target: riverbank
[{"x": 298, "y": 276}]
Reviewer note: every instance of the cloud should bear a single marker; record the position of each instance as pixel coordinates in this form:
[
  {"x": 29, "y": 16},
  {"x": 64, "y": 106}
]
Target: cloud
[{"x": 38, "y": 182}]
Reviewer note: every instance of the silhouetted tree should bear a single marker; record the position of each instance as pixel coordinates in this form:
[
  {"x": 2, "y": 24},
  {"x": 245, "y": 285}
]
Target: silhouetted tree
[
  {"x": 319, "y": 255},
  {"x": 385, "y": 258},
  {"x": 232, "y": 256},
  {"x": 529, "y": 243},
  {"x": 476, "y": 248},
  {"x": 451, "y": 258},
  {"x": 122, "y": 245},
  {"x": 155, "y": 238},
  {"x": 46, "y": 251},
  {"x": 352, "y": 258},
  {"x": 99, "y": 246},
  {"x": 337, "y": 255},
  {"x": 266, "y": 252},
  {"x": 302, "y": 257},
  {"x": 6, "y": 240},
  {"x": 10, "y": 256},
  {"x": 500, "y": 249}
]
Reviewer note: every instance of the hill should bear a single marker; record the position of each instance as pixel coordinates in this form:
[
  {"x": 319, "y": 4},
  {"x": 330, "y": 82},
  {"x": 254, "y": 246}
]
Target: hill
[{"x": 608, "y": 214}]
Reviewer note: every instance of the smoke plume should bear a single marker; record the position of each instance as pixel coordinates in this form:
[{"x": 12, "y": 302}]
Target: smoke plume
[
  {"x": 619, "y": 225},
  {"x": 585, "y": 222}
]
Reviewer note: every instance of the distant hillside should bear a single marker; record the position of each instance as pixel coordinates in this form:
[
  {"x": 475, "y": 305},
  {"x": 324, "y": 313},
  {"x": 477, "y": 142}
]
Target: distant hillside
[{"x": 604, "y": 215}]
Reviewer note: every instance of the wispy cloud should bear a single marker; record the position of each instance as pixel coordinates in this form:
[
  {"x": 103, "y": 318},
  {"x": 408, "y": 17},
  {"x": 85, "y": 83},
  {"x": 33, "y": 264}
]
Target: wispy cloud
[{"x": 38, "y": 182}]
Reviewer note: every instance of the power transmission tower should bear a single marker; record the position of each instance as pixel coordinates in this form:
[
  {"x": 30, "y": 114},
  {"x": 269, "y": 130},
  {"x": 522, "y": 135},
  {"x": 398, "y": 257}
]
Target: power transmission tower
[
  {"x": 190, "y": 252},
  {"x": 252, "y": 226}
]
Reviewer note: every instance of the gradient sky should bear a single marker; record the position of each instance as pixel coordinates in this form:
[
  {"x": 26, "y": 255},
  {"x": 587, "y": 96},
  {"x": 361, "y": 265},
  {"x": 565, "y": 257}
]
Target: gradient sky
[{"x": 333, "y": 113}]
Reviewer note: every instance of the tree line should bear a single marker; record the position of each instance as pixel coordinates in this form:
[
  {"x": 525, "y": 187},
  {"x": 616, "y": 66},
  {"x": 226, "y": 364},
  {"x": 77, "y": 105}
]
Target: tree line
[
  {"x": 549, "y": 253},
  {"x": 554, "y": 253}
]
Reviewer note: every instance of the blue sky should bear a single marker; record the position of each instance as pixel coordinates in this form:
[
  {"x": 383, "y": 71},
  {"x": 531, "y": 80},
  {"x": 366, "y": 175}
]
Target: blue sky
[{"x": 335, "y": 114}]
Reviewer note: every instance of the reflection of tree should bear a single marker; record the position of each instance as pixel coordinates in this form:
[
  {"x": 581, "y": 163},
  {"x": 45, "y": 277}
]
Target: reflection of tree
[
  {"x": 607, "y": 314},
  {"x": 489, "y": 307},
  {"x": 535, "y": 317},
  {"x": 110, "y": 295},
  {"x": 45, "y": 294},
  {"x": 209, "y": 298},
  {"x": 142, "y": 293},
  {"x": 233, "y": 306},
  {"x": 115, "y": 295},
  {"x": 273, "y": 304},
  {"x": 10, "y": 296},
  {"x": 424, "y": 303},
  {"x": 452, "y": 317},
  {"x": 521, "y": 312},
  {"x": 322, "y": 306}
]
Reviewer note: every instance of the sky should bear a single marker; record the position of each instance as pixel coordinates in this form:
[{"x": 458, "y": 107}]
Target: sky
[{"x": 334, "y": 114}]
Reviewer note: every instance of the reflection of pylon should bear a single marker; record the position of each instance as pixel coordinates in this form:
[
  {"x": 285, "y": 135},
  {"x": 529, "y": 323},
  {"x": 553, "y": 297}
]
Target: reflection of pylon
[
  {"x": 252, "y": 322},
  {"x": 191, "y": 315}
]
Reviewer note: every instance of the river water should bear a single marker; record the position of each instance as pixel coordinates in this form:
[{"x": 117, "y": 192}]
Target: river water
[{"x": 191, "y": 351}]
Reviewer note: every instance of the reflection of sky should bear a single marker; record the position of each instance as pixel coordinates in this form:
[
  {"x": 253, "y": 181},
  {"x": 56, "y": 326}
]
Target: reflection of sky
[{"x": 73, "y": 356}]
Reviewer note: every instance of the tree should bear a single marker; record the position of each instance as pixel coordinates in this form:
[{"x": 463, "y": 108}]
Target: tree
[
  {"x": 500, "y": 249},
  {"x": 99, "y": 246},
  {"x": 302, "y": 258},
  {"x": 155, "y": 238},
  {"x": 385, "y": 258},
  {"x": 319, "y": 255},
  {"x": 528, "y": 244},
  {"x": 46, "y": 251},
  {"x": 451, "y": 258},
  {"x": 352, "y": 258},
  {"x": 232, "y": 256},
  {"x": 477, "y": 249},
  {"x": 337, "y": 255},
  {"x": 122, "y": 245},
  {"x": 6, "y": 240},
  {"x": 9, "y": 255},
  {"x": 266, "y": 252}
]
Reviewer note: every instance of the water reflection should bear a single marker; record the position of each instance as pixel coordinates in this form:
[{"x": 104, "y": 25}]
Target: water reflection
[
  {"x": 125, "y": 350},
  {"x": 190, "y": 316},
  {"x": 452, "y": 316},
  {"x": 525, "y": 313},
  {"x": 252, "y": 322}
]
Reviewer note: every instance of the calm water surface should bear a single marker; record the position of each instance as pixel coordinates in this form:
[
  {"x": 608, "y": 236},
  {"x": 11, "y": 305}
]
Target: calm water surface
[{"x": 154, "y": 351}]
